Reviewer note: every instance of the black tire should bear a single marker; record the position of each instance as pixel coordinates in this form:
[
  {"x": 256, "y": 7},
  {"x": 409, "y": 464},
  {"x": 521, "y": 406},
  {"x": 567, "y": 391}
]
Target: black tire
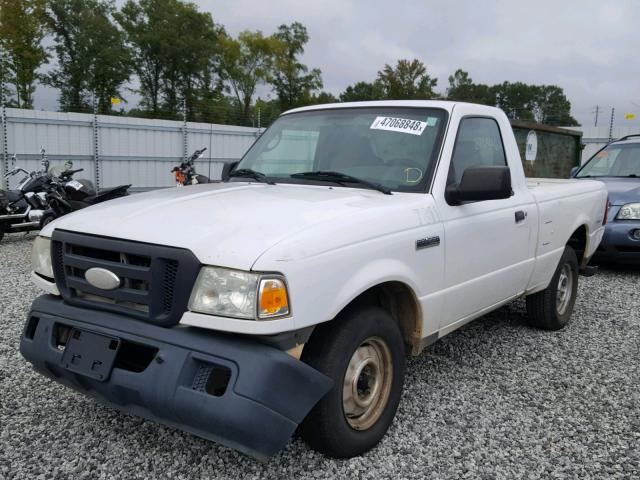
[
  {"x": 47, "y": 219},
  {"x": 3, "y": 228},
  {"x": 330, "y": 350},
  {"x": 544, "y": 307}
]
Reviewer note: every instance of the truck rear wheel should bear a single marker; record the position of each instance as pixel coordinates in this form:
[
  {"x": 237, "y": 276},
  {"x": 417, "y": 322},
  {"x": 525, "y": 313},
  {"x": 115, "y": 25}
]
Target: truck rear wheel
[
  {"x": 363, "y": 352},
  {"x": 551, "y": 308}
]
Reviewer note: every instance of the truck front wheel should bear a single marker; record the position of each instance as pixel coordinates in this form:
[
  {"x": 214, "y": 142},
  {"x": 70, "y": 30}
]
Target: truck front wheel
[
  {"x": 551, "y": 308},
  {"x": 363, "y": 352}
]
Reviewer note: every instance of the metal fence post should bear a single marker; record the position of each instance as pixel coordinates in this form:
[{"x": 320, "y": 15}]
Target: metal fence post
[
  {"x": 5, "y": 147},
  {"x": 96, "y": 145},
  {"x": 5, "y": 154},
  {"x": 185, "y": 143}
]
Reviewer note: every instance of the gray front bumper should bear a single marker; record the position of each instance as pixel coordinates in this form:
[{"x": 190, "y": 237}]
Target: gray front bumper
[{"x": 268, "y": 393}]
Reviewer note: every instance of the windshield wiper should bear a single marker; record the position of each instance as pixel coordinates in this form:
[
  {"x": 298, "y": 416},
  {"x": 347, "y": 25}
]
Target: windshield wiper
[
  {"x": 248, "y": 173},
  {"x": 631, "y": 175},
  {"x": 340, "y": 178}
]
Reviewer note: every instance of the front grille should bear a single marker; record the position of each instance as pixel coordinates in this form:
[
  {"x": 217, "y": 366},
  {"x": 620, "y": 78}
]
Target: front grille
[
  {"x": 155, "y": 281},
  {"x": 170, "y": 274}
]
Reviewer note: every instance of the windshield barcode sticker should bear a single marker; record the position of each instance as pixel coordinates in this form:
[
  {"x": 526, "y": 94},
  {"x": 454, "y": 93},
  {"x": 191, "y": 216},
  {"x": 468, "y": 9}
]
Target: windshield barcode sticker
[{"x": 402, "y": 125}]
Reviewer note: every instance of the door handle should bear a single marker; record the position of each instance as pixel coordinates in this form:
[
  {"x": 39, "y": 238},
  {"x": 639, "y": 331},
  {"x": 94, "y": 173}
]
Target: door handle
[{"x": 520, "y": 216}]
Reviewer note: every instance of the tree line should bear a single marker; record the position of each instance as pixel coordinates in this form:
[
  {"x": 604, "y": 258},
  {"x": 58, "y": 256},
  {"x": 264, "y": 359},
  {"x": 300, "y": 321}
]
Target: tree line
[{"x": 181, "y": 61}]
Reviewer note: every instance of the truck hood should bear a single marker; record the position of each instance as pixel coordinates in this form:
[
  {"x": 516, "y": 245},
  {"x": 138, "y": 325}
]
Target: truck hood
[
  {"x": 224, "y": 224},
  {"x": 622, "y": 190}
]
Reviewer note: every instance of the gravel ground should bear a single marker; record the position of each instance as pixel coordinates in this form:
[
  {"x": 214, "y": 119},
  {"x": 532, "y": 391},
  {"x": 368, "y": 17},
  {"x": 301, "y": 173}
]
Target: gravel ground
[{"x": 495, "y": 399}]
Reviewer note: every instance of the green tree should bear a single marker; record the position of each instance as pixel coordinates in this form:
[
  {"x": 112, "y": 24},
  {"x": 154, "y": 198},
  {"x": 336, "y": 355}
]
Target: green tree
[
  {"x": 174, "y": 49},
  {"x": 459, "y": 83},
  {"x": 516, "y": 99},
  {"x": 22, "y": 28},
  {"x": 462, "y": 89},
  {"x": 551, "y": 106},
  {"x": 247, "y": 62},
  {"x": 363, "y": 91},
  {"x": 408, "y": 80},
  {"x": 321, "y": 98},
  {"x": 149, "y": 33},
  {"x": 91, "y": 52},
  {"x": 539, "y": 103},
  {"x": 191, "y": 63},
  {"x": 292, "y": 80},
  {"x": 269, "y": 111}
]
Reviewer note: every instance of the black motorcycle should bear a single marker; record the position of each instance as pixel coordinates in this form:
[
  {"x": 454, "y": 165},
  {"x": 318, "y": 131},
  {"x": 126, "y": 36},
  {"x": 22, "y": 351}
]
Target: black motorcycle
[
  {"x": 67, "y": 195},
  {"x": 22, "y": 209},
  {"x": 186, "y": 174}
]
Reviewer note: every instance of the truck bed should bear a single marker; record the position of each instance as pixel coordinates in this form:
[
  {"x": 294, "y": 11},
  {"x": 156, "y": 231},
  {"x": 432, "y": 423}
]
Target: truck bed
[{"x": 560, "y": 202}]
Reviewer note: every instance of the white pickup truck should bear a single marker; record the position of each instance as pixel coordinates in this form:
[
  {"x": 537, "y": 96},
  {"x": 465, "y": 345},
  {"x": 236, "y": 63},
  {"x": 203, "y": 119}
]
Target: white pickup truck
[{"x": 288, "y": 295}]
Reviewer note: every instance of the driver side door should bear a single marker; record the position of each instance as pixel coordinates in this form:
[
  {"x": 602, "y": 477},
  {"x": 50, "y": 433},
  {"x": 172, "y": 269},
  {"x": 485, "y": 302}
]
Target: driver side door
[{"x": 488, "y": 243}]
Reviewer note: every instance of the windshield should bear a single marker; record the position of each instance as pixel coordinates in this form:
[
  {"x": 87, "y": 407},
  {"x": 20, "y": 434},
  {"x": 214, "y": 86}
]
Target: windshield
[
  {"x": 617, "y": 160},
  {"x": 393, "y": 147}
]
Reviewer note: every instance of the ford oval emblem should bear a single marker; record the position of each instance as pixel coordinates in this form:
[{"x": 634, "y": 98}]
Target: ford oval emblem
[{"x": 102, "y": 278}]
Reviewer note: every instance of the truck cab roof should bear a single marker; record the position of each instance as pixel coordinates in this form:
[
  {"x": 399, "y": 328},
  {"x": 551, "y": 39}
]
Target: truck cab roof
[{"x": 442, "y": 104}]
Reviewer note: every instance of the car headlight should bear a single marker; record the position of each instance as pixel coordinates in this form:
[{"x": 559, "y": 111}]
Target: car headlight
[
  {"x": 237, "y": 294},
  {"x": 630, "y": 211},
  {"x": 41, "y": 257}
]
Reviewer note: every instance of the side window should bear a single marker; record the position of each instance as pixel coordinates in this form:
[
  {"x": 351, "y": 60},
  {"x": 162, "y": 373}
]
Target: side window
[{"x": 478, "y": 144}]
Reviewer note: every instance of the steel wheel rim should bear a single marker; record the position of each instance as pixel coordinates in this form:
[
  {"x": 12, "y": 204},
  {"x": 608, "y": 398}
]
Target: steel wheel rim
[
  {"x": 565, "y": 289},
  {"x": 367, "y": 383}
]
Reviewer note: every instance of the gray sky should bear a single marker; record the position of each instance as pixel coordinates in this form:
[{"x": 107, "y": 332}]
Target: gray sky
[{"x": 588, "y": 47}]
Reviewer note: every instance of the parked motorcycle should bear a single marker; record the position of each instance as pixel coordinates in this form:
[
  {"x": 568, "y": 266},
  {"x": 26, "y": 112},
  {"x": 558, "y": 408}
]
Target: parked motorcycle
[
  {"x": 186, "y": 174},
  {"x": 22, "y": 209},
  {"x": 67, "y": 195}
]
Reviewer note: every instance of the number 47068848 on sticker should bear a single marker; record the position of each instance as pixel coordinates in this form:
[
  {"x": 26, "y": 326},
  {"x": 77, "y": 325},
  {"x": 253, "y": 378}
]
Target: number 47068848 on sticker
[{"x": 403, "y": 125}]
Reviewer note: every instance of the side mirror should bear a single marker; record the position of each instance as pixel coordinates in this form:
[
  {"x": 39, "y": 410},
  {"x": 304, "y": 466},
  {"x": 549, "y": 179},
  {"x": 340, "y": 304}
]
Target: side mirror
[
  {"x": 481, "y": 183},
  {"x": 226, "y": 169},
  {"x": 574, "y": 170}
]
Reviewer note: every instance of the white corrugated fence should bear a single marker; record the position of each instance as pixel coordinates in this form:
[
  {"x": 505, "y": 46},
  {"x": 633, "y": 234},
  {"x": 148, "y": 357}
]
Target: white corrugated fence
[{"x": 139, "y": 151}]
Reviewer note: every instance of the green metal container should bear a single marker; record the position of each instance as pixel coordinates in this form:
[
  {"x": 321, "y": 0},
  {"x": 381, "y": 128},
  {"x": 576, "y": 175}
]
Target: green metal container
[{"x": 548, "y": 152}]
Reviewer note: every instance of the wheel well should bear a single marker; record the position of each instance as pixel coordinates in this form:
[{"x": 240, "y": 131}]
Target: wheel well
[
  {"x": 578, "y": 241},
  {"x": 398, "y": 299}
]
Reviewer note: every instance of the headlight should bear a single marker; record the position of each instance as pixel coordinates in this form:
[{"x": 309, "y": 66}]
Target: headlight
[
  {"x": 236, "y": 294},
  {"x": 630, "y": 211},
  {"x": 41, "y": 257}
]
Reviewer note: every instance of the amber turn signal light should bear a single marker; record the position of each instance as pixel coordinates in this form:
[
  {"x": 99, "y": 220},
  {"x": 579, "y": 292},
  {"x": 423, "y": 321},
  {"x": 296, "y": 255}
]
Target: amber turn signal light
[{"x": 274, "y": 301}]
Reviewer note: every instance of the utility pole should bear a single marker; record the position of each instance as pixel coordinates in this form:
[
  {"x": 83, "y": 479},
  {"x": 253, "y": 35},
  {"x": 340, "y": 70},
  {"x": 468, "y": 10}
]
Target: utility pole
[
  {"x": 597, "y": 111},
  {"x": 613, "y": 110}
]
